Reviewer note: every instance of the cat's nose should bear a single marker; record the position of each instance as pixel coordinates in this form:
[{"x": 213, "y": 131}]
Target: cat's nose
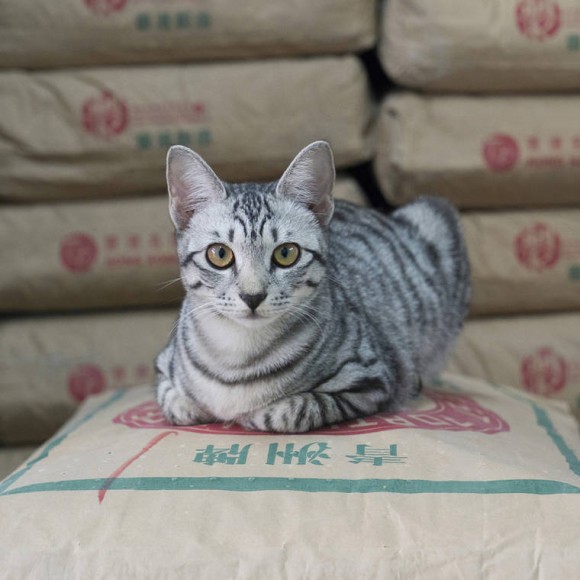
[{"x": 253, "y": 300}]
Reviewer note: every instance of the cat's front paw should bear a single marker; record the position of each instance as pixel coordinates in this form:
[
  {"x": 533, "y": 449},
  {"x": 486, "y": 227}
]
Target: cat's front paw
[
  {"x": 276, "y": 418},
  {"x": 181, "y": 410},
  {"x": 248, "y": 422},
  {"x": 311, "y": 410}
]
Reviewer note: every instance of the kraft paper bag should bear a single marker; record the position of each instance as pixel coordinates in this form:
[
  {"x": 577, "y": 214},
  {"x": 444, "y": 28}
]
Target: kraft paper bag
[
  {"x": 488, "y": 47},
  {"x": 104, "y": 132},
  {"x": 12, "y": 457},
  {"x": 524, "y": 261},
  {"x": 49, "y": 365},
  {"x": 470, "y": 479},
  {"x": 73, "y": 256},
  {"x": 480, "y": 152},
  {"x": 538, "y": 354},
  {"x": 97, "y": 32}
]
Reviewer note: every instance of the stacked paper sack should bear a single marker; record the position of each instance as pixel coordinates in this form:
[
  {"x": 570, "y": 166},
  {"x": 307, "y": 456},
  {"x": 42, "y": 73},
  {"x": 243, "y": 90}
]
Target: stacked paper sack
[
  {"x": 470, "y": 481},
  {"x": 492, "y": 124},
  {"x": 93, "y": 92}
]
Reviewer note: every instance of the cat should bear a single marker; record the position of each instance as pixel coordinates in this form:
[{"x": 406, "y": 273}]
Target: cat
[{"x": 301, "y": 311}]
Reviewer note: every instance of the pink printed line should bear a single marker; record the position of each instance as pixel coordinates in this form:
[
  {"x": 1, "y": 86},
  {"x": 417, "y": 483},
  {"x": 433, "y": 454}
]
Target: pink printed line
[{"x": 122, "y": 468}]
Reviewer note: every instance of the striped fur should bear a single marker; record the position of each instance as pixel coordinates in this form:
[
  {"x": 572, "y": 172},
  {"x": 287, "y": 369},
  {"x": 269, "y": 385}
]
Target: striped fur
[{"x": 370, "y": 309}]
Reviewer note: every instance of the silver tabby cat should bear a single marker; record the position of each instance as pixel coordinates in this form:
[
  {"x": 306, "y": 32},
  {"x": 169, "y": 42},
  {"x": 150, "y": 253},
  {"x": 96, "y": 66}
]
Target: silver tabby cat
[{"x": 299, "y": 311}]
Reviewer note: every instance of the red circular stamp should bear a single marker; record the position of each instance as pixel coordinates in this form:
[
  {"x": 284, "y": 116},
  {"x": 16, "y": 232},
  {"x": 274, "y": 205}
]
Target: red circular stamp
[
  {"x": 538, "y": 19},
  {"x": 105, "y": 115},
  {"x": 85, "y": 380},
  {"x": 501, "y": 152},
  {"x": 537, "y": 247},
  {"x": 105, "y": 7},
  {"x": 544, "y": 372},
  {"x": 78, "y": 252}
]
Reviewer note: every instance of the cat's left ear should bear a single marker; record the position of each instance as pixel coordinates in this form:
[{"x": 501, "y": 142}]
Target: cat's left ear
[{"x": 309, "y": 180}]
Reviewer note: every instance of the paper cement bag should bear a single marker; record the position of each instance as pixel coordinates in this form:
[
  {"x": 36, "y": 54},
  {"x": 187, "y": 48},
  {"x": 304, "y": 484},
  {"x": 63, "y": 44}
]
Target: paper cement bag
[
  {"x": 492, "y": 46},
  {"x": 539, "y": 354},
  {"x": 48, "y": 365},
  {"x": 526, "y": 261},
  {"x": 348, "y": 189},
  {"x": 470, "y": 478},
  {"x": 480, "y": 152},
  {"x": 12, "y": 457},
  {"x": 106, "y": 131},
  {"x": 73, "y": 256},
  {"x": 98, "y": 32}
]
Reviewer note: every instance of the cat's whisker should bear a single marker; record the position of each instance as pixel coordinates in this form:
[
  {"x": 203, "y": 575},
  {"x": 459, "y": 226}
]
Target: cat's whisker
[
  {"x": 299, "y": 315},
  {"x": 176, "y": 324},
  {"x": 313, "y": 312},
  {"x": 195, "y": 312},
  {"x": 203, "y": 316},
  {"x": 301, "y": 309},
  {"x": 163, "y": 285},
  {"x": 334, "y": 280},
  {"x": 312, "y": 309},
  {"x": 201, "y": 310}
]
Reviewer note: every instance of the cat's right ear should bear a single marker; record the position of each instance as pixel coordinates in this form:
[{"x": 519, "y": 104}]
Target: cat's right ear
[{"x": 191, "y": 183}]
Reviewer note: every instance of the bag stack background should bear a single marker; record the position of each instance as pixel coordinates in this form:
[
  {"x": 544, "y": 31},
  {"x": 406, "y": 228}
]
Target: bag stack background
[
  {"x": 92, "y": 93},
  {"x": 486, "y": 114}
]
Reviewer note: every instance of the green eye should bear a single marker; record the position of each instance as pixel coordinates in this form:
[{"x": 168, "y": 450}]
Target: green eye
[
  {"x": 286, "y": 255},
  {"x": 220, "y": 256}
]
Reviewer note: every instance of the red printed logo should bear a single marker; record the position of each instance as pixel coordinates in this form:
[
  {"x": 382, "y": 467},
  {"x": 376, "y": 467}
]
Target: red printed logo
[
  {"x": 85, "y": 380},
  {"x": 105, "y": 115},
  {"x": 78, "y": 252},
  {"x": 538, "y": 19},
  {"x": 501, "y": 152},
  {"x": 105, "y": 7},
  {"x": 544, "y": 372},
  {"x": 450, "y": 412},
  {"x": 537, "y": 247}
]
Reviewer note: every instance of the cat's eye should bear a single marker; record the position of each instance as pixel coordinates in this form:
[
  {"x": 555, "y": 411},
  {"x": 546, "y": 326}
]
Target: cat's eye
[
  {"x": 286, "y": 255},
  {"x": 220, "y": 256}
]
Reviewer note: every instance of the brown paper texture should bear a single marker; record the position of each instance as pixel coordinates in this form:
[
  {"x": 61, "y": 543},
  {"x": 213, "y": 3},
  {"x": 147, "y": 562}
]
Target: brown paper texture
[
  {"x": 523, "y": 262},
  {"x": 98, "y": 32},
  {"x": 102, "y": 132},
  {"x": 480, "y": 152},
  {"x": 493, "y": 46},
  {"x": 73, "y": 256},
  {"x": 12, "y": 457},
  {"x": 348, "y": 189},
  {"x": 538, "y": 354},
  {"x": 470, "y": 477},
  {"x": 49, "y": 365}
]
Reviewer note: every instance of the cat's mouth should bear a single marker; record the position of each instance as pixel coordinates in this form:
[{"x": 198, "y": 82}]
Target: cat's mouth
[
  {"x": 254, "y": 316},
  {"x": 252, "y": 319}
]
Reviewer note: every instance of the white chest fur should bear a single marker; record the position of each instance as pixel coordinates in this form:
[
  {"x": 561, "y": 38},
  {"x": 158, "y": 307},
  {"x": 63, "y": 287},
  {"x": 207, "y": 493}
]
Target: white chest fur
[{"x": 230, "y": 359}]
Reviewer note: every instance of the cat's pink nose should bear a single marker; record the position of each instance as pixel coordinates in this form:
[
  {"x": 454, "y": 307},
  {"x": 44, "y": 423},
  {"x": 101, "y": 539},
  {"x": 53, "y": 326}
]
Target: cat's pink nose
[{"x": 253, "y": 300}]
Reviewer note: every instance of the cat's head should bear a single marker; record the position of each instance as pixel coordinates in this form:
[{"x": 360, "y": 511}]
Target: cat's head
[{"x": 252, "y": 252}]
